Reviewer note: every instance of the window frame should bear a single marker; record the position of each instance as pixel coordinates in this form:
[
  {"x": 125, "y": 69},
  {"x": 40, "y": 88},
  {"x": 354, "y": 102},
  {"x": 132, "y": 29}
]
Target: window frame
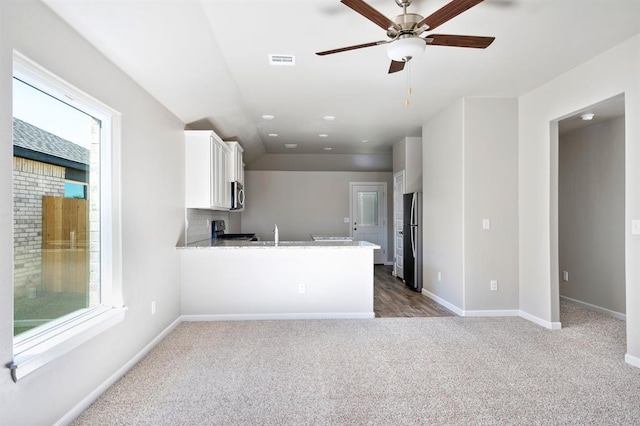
[{"x": 35, "y": 348}]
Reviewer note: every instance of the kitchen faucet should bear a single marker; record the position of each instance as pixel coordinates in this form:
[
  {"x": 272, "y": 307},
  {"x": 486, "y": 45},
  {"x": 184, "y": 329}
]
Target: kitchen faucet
[{"x": 275, "y": 232}]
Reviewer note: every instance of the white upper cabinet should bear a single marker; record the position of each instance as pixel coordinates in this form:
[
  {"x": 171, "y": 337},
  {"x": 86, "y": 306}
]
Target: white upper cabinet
[
  {"x": 237, "y": 165},
  {"x": 207, "y": 171}
]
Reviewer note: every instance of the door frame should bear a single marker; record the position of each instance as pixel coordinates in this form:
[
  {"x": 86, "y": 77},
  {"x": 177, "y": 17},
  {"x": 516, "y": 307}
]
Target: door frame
[
  {"x": 385, "y": 226},
  {"x": 396, "y": 195}
]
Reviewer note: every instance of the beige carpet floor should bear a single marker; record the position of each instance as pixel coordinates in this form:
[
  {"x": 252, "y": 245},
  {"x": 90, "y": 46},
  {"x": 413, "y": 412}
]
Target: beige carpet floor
[{"x": 384, "y": 371}]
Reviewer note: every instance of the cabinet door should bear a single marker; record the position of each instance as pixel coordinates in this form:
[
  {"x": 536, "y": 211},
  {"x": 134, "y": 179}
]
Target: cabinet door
[{"x": 221, "y": 185}]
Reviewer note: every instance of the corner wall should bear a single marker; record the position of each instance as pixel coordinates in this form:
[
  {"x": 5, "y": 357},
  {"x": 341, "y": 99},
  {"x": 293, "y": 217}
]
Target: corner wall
[
  {"x": 152, "y": 204},
  {"x": 614, "y": 72},
  {"x": 470, "y": 154}
]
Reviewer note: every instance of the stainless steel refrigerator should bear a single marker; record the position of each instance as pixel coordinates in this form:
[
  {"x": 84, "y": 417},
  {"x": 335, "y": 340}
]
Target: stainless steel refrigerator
[{"x": 412, "y": 240}]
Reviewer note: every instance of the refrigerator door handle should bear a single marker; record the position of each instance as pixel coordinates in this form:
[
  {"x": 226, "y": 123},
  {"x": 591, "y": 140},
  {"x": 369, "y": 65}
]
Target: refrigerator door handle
[
  {"x": 413, "y": 240},
  {"x": 413, "y": 209}
]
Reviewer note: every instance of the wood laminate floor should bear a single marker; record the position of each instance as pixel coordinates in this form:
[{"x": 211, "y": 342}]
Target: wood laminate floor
[{"x": 392, "y": 298}]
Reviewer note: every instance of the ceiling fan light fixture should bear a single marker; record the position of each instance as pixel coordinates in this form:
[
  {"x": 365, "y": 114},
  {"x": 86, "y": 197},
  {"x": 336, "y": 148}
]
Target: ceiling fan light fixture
[{"x": 404, "y": 49}]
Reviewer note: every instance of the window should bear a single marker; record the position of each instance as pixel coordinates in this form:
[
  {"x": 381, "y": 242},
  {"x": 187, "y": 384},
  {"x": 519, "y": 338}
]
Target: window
[{"x": 66, "y": 223}]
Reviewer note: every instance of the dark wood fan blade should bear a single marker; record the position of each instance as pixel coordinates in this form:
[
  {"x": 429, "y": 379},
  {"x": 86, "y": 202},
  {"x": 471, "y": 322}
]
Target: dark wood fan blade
[
  {"x": 396, "y": 66},
  {"x": 447, "y": 12},
  {"x": 475, "y": 42},
  {"x": 345, "y": 49},
  {"x": 371, "y": 14}
]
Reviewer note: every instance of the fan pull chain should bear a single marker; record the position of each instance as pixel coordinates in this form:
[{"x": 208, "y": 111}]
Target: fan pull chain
[{"x": 408, "y": 66}]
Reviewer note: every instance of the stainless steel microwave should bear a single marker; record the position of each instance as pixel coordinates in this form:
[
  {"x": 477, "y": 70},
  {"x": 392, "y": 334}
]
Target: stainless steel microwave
[{"x": 237, "y": 196}]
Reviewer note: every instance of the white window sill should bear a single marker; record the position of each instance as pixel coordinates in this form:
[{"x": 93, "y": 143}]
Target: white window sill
[{"x": 34, "y": 350}]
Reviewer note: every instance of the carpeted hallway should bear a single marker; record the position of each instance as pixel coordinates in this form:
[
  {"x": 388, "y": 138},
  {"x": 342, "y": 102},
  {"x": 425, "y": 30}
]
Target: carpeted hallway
[{"x": 386, "y": 371}]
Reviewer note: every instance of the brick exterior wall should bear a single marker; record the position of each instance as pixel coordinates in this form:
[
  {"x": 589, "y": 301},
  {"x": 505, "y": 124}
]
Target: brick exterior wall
[{"x": 31, "y": 180}]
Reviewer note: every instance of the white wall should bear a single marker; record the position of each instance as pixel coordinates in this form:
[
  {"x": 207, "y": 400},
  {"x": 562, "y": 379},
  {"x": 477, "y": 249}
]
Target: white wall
[
  {"x": 614, "y": 72},
  {"x": 442, "y": 153},
  {"x": 470, "y": 157},
  {"x": 379, "y": 162},
  {"x": 302, "y": 203},
  {"x": 152, "y": 215},
  {"x": 491, "y": 192},
  {"x": 591, "y": 214}
]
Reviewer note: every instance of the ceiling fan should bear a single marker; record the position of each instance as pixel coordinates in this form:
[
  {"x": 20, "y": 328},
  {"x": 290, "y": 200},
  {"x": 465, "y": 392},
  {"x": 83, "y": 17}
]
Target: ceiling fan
[{"x": 405, "y": 30}]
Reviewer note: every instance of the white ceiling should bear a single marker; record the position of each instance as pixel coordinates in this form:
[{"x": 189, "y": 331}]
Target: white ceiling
[{"x": 207, "y": 62}]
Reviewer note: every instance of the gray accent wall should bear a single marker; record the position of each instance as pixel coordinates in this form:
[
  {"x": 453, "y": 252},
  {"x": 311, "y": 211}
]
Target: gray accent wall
[
  {"x": 303, "y": 203},
  {"x": 591, "y": 214},
  {"x": 470, "y": 154},
  {"x": 152, "y": 204}
]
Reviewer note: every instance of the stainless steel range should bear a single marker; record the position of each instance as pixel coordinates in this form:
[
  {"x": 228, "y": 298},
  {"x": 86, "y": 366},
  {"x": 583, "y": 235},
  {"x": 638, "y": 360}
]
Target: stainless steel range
[{"x": 217, "y": 232}]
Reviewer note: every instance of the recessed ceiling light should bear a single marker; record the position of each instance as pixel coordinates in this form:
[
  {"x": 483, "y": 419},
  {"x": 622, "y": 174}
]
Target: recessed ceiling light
[
  {"x": 290, "y": 145},
  {"x": 328, "y": 118},
  {"x": 323, "y": 135},
  {"x": 328, "y": 148},
  {"x": 268, "y": 117},
  {"x": 273, "y": 135},
  {"x": 587, "y": 117},
  {"x": 365, "y": 141}
]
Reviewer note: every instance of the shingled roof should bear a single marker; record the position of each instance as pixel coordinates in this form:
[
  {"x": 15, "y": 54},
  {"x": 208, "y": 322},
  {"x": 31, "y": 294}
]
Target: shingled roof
[{"x": 32, "y": 138}]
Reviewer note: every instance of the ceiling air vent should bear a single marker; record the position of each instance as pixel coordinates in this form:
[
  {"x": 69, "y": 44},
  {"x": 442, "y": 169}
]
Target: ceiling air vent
[{"x": 282, "y": 60}]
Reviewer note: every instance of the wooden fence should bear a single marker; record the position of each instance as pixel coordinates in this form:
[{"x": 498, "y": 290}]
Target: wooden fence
[{"x": 65, "y": 244}]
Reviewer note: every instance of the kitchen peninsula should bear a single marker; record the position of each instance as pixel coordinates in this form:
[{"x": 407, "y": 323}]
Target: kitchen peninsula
[{"x": 235, "y": 280}]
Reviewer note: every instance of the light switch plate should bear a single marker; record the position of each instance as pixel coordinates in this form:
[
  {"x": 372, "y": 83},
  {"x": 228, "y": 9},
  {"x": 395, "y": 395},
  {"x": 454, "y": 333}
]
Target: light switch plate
[
  {"x": 635, "y": 227},
  {"x": 347, "y": 220},
  {"x": 486, "y": 224}
]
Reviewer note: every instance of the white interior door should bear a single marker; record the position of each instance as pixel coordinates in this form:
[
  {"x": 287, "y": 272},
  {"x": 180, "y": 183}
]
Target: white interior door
[
  {"x": 368, "y": 213},
  {"x": 398, "y": 207}
]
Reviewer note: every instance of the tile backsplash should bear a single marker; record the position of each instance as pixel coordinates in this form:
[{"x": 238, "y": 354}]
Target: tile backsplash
[{"x": 197, "y": 229}]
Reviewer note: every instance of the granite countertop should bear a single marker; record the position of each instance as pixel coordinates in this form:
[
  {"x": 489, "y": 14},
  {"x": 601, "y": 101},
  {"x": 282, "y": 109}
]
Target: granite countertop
[
  {"x": 231, "y": 244},
  {"x": 330, "y": 237}
]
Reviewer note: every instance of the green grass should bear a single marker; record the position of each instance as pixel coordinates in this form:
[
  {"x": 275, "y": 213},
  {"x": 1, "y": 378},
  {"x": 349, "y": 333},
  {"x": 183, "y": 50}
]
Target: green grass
[{"x": 46, "y": 306}]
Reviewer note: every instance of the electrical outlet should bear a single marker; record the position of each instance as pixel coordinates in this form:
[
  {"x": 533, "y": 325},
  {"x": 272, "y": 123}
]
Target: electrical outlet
[
  {"x": 486, "y": 224},
  {"x": 439, "y": 277},
  {"x": 153, "y": 307},
  {"x": 301, "y": 288},
  {"x": 565, "y": 275},
  {"x": 493, "y": 285}
]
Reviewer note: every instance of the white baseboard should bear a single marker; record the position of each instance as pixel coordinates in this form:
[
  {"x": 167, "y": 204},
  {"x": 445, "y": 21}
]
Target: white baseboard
[
  {"x": 608, "y": 312},
  {"x": 95, "y": 394},
  {"x": 493, "y": 313},
  {"x": 474, "y": 313},
  {"x": 440, "y": 300},
  {"x": 543, "y": 323},
  {"x": 292, "y": 316},
  {"x": 632, "y": 360}
]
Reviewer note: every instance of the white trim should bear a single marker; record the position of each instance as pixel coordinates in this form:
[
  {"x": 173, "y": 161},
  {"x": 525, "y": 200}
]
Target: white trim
[
  {"x": 283, "y": 316},
  {"x": 595, "y": 308},
  {"x": 385, "y": 215},
  {"x": 52, "y": 345},
  {"x": 493, "y": 313},
  {"x": 449, "y": 306},
  {"x": 543, "y": 323},
  {"x": 389, "y": 263},
  {"x": 95, "y": 394},
  {"x": 35, "y": 349},
  {"x": 632, "y": 360}
]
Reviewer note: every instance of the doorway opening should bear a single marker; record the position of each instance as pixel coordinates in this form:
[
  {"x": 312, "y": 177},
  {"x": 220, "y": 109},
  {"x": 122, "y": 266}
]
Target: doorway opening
[{"x": 589, "y": 260}]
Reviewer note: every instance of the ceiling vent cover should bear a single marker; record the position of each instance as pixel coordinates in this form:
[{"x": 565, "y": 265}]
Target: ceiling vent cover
[{"x": 282, "y": 60}]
